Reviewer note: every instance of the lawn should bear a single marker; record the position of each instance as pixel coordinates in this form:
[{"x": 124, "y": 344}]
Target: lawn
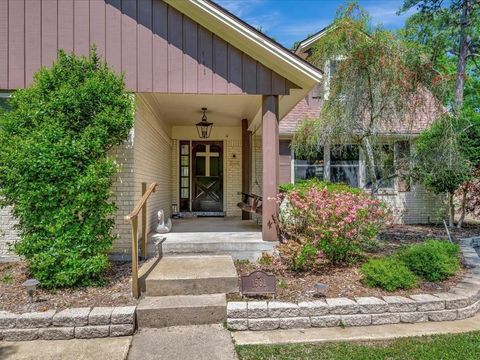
[{"x": 460, "y": 346}]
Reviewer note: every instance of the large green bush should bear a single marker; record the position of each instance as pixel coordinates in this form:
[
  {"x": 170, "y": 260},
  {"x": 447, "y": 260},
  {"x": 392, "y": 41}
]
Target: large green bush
[
  {"x": 434, "y": 260},
  {"x": 388, "y": 273},
  {"x": 55, "y": 171}
]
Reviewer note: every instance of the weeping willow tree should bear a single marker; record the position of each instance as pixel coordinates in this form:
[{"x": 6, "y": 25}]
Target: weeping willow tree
[{"x": 380, "y": 89}]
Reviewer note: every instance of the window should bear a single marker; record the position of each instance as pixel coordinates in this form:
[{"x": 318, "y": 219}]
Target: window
[
  {"x": 333, "y": 66},
  {"x": 184, "y": 175},
  {"x": 309, "y": 168},
  {"x": 384, "y": 168},
  {"x": 4, "y": 101},
  {"x": 345, "y": 165},
  {"x": 331, "y": 70},
  {"x": 402, "y": 164}
]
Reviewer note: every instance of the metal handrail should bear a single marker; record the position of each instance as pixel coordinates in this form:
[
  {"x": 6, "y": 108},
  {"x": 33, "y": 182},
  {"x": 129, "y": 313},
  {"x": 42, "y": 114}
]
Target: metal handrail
[{"x": 133, "y": 219}]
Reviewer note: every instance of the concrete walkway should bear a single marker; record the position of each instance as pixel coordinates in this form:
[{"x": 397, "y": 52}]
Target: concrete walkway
[
  {"x": 92, "y": 349},
  {"x": 361, "y": 333},
  {"x": 200, "y": 342}
]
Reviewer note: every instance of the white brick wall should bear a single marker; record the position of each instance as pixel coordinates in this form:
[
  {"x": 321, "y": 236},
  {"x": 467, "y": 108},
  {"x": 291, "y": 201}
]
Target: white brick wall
[
  {"x": 233, "y": 176},
  {"x": 8, "y": 233},
  {"x": 145, "y": 158},
  {"x": 417, "y": 206}
]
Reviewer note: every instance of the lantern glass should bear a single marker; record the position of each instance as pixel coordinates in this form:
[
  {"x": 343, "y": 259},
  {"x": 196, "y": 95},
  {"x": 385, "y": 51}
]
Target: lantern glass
[{"x": 204, "y": 128}]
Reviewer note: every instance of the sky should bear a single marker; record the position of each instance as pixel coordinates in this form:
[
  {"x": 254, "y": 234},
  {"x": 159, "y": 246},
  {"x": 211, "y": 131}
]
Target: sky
[{"x": 288, "y": 21}]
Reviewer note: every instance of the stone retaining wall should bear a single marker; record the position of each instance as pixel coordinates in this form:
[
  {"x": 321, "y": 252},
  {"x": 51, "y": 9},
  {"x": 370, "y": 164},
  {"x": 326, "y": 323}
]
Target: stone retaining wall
[
  {"x": 461, "y": 302},
  {"x": 80, "y": 323}
]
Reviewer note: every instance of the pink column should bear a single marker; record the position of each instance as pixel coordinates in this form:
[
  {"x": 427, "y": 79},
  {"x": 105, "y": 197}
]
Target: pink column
[{"x": 270, "y": 165}]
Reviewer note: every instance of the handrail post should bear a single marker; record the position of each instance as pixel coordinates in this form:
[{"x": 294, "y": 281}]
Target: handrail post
[
  {"x": 144, "y": 223},
  {"x": 135, "y": 288}
]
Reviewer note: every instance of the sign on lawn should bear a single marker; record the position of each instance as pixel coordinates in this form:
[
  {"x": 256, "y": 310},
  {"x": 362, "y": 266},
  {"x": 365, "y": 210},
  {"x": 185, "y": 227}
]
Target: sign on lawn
[{"x": 258, "y": 283}]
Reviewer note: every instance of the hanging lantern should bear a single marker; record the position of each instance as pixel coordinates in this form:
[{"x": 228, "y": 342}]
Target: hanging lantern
[{"x": 204, "y": 128}]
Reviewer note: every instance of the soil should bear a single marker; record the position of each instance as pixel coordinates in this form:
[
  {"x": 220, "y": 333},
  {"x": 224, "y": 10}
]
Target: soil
[
  {"x": 345, "y": 281},
  {"x": 14, "y": 298}
]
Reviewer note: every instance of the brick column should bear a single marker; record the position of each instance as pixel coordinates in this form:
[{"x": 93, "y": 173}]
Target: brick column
[{"x": 270, "y": 165}]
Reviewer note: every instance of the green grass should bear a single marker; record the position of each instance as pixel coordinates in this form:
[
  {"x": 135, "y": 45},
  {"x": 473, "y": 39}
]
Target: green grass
[{"x": 440, "y": 347}]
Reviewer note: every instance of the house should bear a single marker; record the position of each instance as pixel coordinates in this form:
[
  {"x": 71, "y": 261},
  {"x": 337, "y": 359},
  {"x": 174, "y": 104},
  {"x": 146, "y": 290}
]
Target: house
[
  {"x": 411, "y": 203},
  {"x": 187, "y": 62},
  {"x": 184, "y": 61}
]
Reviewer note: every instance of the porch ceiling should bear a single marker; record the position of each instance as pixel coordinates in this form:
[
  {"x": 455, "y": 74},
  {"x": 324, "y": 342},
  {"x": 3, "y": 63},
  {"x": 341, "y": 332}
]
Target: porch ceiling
[{"x": 223, "y": 110}]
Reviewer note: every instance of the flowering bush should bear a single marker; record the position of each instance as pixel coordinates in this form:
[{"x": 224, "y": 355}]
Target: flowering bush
[{"x": 324, "y": 220}]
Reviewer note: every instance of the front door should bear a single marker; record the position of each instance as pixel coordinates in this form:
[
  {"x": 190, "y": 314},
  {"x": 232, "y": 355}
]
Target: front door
[{"x": 207, "y": 176}]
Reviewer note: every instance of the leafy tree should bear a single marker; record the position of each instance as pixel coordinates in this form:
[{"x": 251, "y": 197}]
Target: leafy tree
[
  {"x": 55, "y": 171},
  {"x": 438, "y": 161},
  {"x": 379, "y": 87},
  {"x": 455, "y": 25},
  {"x": 449, "y": 32}
]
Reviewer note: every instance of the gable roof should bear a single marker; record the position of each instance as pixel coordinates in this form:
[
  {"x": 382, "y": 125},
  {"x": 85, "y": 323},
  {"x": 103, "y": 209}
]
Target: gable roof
[
  {"x": 310, "y": 40},
  {"x": 249, "y": 40}
]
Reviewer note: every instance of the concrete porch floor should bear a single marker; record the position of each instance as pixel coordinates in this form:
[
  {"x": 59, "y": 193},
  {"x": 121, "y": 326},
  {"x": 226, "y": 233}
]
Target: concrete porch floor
[{"x": 214, "y": 235}]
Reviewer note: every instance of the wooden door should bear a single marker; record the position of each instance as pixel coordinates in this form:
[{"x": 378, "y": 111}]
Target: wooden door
[{"x": 207, "y": 176}]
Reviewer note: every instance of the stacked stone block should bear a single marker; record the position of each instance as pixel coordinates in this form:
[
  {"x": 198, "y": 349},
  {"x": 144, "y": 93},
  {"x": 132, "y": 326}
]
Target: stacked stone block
[
  {"x": 461, "y": 302},
  {"x": 80, "y": 323}
]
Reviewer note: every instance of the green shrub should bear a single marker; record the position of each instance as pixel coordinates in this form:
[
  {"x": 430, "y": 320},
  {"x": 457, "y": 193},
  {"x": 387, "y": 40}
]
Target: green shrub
[
  {"x": 388, "y": 273},
  {"x": 303, "y": 186},
  {"x": 54, "y": 168},
  {"x": 323, "y": 220},
  {"x": 433, "y": 260},
  {"x": 306, "y": 257}
]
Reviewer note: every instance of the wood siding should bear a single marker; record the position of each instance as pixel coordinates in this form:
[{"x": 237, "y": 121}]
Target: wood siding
[{"x": 158, "y": 48}]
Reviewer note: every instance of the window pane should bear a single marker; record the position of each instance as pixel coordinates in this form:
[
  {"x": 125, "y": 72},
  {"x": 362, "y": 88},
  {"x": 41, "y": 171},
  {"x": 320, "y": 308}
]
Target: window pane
[
  {"x": 184, "y": 171},
  {"x": 215, "y": 166},
  {"x": 185, "y": 182},
  {"x": 344, "y": 174},
  {"x": 184, "y": 193},
  {"x": 200, "y": 147},
  {"x": 344, "y": 153},
  {"x": 303, "y": 172},
  {"x": 200, "y": 166},
  {"x": 184, "y": 150},
  {"x": 185, "y": 160},
  {"x": 384, "y": 168},
  {"x": 309, "y": 168},
  {"x": 344, "y": 165}
]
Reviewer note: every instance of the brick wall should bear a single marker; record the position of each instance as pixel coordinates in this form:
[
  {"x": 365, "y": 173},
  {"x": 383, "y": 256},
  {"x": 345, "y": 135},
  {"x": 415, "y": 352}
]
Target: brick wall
[
  {"x": 144, "y": 158},
  {"x": 233, "y": 176},
  {"x": 8, "y": 233},
  {"x": 417, "y": 206}
]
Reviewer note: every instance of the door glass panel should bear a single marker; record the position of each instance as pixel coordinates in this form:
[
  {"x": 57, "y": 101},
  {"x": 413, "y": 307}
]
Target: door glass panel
[
  {"x": 184, "y": 150},
  {"x": 184, "y": 193},
  {"x": 185, "y": 182},
  {"x": 184, "y": 160},
  {"x": 200, "y": 166},
  {"x": 214, "y": 166},
  {"x": 184, "y": 171}
]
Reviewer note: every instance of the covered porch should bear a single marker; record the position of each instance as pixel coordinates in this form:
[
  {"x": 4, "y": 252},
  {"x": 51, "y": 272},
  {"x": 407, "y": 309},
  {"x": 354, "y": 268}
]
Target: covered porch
[
  {"x": 242, "y": 239},
  {"x": 199, "y": 56}
]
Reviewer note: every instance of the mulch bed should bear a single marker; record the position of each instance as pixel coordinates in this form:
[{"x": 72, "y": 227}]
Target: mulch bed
[
  {"x": 13, "y": 296},
  {"x": 345, "y": 281}
]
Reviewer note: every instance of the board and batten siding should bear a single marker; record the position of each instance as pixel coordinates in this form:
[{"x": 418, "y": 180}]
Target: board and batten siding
[{"x": 159, "y": 49}]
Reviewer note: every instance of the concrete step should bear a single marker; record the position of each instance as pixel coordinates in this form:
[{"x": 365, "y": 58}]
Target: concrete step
[
  {"x": 192, "y": 275},
  {"x": 163, "y": 311},
  {"x": 240, "y": 245}
]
